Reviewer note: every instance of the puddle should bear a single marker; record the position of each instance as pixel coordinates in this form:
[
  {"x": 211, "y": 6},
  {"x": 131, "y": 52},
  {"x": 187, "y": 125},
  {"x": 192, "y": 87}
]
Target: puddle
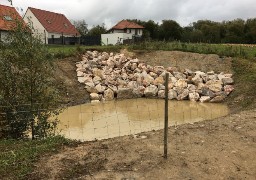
[{"x": 118, "y": 118}]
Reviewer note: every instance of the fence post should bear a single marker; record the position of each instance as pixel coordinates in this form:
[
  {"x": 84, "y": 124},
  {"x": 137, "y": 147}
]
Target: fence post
[{"x": 166, "y": 115}]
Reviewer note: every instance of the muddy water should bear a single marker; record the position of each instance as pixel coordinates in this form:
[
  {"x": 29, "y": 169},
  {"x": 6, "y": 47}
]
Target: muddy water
[{"x": 118, "y": 118}]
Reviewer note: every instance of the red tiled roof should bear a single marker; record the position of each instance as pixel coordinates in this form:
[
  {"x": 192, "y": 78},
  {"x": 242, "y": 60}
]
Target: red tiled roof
[
  {"x": 124, "y": 24},
  {"x": 8, "y": 12},
  {"x": 54, "y": 22}
]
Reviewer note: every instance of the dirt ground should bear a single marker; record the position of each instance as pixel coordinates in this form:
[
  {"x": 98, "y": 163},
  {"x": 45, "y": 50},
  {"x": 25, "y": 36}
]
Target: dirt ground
[
  {"x": 224, "y": 148},
  {"x": 72, "y": 92}
]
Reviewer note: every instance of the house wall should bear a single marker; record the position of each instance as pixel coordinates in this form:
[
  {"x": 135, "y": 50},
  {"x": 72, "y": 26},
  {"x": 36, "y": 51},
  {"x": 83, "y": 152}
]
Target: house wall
[
  {"x": 3, "y": 35},
  {"x": 128, "y": 31},
  {"x": 114, "y": 38},
  {"x": 36, "y": 27}
]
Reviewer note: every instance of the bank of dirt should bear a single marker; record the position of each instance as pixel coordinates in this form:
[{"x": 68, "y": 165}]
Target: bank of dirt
[
  {"x": 223, "y": 148},
  {"x": 71, "y": 91}
]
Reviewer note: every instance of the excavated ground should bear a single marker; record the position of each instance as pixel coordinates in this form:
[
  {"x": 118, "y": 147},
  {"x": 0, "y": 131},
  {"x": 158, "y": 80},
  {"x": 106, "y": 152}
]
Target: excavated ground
[{"x": 224, "y": 148}]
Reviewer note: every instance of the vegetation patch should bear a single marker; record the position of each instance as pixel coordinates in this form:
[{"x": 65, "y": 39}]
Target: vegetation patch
[{"x": 17, "y": 157}]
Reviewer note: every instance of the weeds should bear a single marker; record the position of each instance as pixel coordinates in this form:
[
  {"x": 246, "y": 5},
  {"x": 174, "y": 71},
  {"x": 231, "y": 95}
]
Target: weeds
[{"x": 17, "y": 157}]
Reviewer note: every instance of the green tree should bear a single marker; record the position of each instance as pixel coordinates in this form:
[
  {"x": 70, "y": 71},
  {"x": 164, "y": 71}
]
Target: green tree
[
  {"x": 250, "y": 31},
  {"x": 235, "y": 31},
  {"x": 170, "y": 30},
  {"x": 81, "y": 27},
  {"x": 27, "y": 93},
  {"x": 97, "y": 30}
]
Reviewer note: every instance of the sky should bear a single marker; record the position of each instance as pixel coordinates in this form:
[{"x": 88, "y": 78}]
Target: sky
[{"x": 110, "y": 12}]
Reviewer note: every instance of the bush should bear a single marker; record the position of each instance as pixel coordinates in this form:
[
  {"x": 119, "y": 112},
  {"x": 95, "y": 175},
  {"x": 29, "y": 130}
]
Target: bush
[{"x": 27, "y": 96}]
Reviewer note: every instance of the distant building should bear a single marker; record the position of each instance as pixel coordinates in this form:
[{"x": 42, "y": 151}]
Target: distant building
[
  {"x": 8, "y": 19},
  {"x": 122, "y": 31},
  {"x": 49, "y": 25}
]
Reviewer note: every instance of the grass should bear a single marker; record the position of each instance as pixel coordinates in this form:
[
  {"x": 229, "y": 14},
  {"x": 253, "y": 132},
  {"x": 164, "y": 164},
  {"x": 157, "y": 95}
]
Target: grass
[
  {"x": 247, "y": 52},
  {"x": 244, "y": 96},
  {"x": 17, "y": 157}
]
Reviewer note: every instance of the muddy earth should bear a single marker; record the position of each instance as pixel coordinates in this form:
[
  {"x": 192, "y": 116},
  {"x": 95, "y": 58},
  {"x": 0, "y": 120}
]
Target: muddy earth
[{"x": 223, "y": 148}]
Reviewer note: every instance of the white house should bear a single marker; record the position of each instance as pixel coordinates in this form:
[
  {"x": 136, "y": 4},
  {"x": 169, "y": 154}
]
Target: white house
[
  {"x": 122, "y": 31},
  {"x": 49, "y": 25},
  {"x": 8, "y": 18}
]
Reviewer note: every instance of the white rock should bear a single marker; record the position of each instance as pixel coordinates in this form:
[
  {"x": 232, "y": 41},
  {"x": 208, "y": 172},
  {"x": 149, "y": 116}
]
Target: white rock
[
  {"x": 172, "y": 94},
  {"x": 108, "y": 95},
  {"x": 94, "y": 96},
  {"x": 205, "y": 99},
  {"x": 151, "y": 91}
]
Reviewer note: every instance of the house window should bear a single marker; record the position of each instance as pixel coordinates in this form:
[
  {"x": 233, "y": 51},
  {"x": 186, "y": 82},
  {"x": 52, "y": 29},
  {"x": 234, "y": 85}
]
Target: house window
[
  {"x": 7, "y": 18},
  {"x": 66, "y": 25},
  {"x": 130, "y": 31},
  {"x": 49, "y": 21}
]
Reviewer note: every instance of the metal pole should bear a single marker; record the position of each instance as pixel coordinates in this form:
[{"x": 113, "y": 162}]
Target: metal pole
[{"x": 166, "y": 115}]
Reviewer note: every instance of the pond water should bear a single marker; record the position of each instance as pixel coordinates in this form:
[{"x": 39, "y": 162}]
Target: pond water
[{"x": 124, "y": 117}]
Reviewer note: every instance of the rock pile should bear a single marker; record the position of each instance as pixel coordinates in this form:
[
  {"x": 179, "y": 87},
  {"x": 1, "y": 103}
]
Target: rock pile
[{"x": 107, "y": 76}]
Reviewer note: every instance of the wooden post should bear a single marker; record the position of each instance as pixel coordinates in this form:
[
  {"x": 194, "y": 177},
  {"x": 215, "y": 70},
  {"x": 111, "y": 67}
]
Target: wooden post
[{"x": 166, "y": 115}]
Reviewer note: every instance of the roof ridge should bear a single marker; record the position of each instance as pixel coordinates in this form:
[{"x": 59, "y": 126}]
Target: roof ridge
[
  {"x": 45, "y": 10},
  {"x": 7, "y": 6}
]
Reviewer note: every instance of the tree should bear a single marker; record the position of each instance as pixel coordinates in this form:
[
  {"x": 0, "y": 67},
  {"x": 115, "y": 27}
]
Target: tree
[
  {"x": 152, "y": 28},
  {"x": 235, "y": 31},
  {"x": 81, "y": 27},
  {"x": 27, "y": 94},
  {"x": 97, "y": 30},
  {"x": 250, "y": 31},
  {"x": 170, "y": 30}
]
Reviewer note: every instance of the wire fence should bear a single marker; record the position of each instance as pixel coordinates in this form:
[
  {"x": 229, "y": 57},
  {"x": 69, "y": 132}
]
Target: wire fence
[
  {"x": 115, "y": 118},
  {"x": 17, "y": 121},
  {"x": 126, "y": 117}
]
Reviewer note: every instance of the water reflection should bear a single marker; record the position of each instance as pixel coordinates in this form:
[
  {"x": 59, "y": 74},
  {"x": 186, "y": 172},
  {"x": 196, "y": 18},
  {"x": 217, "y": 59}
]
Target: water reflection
[{"x": 123, "y": 117}]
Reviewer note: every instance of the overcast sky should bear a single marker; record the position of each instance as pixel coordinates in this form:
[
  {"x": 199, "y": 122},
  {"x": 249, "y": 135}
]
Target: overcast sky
[{"x": 96, "y": 12}]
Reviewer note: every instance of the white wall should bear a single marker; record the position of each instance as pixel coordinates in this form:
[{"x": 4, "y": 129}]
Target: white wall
[
  {"x": 113, "y": 39},
  {"x": 3, "y": 35},
  {"x": 34, "y": 24},
  {"x": 128, "y": 31},
  {"x": 38, "y": 29}
]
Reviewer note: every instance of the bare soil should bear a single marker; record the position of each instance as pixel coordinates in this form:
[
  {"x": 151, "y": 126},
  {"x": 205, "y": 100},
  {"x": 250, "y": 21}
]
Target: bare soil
[
  {"x": 223, "y": 148},
  {"x": 72, "y": 92}
]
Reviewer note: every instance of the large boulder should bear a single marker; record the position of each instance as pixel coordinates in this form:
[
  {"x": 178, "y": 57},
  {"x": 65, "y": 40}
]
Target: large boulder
[
  {"x": 181, "y": 83},
  {"x": 151, "y": 91},
  {"x": 207, "y": 92},
  {"x": 183, "y": 95},
  {"x": 194, "y": 96},
  {"x": 204, "y": 99},
  {"x": 159, "y": 80},
  {"x": 228, "y": 89},
  {"x": 94, "y": 96},
  {"x": 109, "y": 94},
  {"x": 97, "y": 72},
  {"x": 172, "y": 94},
  {"x": 218, "y": 99},
  {"x": 227, "y": 81},
  {"x": 96, "y": 80},
  {"x": 161, "y": 94},
  {"x": 138, "y": 92},
  {"x": 214, "y": 85},
  {"x": 124, "y": 93},
  {"x": 100, "y": 88}
]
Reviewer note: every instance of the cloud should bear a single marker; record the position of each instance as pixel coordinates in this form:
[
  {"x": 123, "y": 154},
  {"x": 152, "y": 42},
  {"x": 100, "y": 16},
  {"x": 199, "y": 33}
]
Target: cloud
[{"x": 96, "y": 12}]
